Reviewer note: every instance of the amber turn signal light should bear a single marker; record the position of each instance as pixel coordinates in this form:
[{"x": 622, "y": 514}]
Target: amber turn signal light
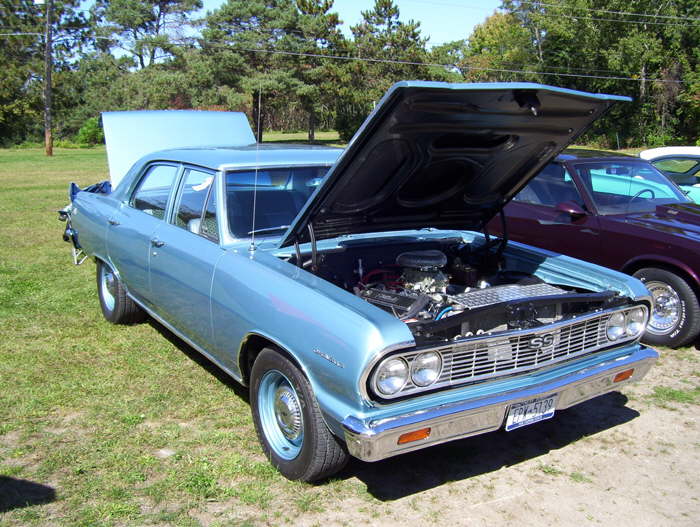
[
  {"x": 623, "y": 375},
  {"x": 416, "y": 435}
]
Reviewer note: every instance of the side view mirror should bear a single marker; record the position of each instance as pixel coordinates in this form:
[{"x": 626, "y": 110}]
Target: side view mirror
[{"x": 571, "y": 208}]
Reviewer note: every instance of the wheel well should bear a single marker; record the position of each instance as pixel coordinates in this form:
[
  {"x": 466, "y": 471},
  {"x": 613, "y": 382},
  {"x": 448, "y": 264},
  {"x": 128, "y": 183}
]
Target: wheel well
[
  {"x": 250, "y": 350},
  {"x": 641, "y": 264}
]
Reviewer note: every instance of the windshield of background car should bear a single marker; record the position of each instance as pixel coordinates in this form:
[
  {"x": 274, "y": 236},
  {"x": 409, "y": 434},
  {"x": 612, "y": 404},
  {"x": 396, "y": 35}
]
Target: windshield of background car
[
  {"x": 621, "y": 187},
  {"x": 681, "y": 170},
  {"x": 279, "y": 194}
]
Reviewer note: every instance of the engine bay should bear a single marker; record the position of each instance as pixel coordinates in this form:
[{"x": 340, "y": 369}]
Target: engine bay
[{"x": 449, "y": 290}]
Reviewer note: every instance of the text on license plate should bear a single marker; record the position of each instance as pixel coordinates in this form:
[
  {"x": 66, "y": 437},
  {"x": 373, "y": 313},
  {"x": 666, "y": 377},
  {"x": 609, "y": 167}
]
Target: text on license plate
[{"x": 532, "y": 411}]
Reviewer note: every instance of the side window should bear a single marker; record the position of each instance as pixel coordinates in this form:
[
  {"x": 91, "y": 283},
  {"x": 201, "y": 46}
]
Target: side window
[
  {"x": 550, "y": 187},
  {"x": 188, "y": 213},
  {"x": 151, "y": 196},
  {"x": 209, "y": 228}
]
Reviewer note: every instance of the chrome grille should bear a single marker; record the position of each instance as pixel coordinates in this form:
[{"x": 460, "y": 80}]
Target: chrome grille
[{"x": 493, "y": 356}]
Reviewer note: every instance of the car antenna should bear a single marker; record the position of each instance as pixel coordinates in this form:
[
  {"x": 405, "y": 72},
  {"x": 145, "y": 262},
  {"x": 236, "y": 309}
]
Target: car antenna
[{"x": 252, "y": 247}]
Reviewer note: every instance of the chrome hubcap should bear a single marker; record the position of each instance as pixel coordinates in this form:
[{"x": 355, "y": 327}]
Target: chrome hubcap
[
  {"x": 667, "y": 308},
  {"x": 108, "y": 284},
  {"x": 281, "y": 417},
  {"x": 288, "y": 413}
]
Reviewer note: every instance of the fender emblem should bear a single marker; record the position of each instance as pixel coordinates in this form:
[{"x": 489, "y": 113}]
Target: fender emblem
[{"x": 330, "y": 359}]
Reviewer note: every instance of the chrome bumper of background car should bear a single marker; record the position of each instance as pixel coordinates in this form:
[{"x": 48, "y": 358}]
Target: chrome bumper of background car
[{"x": 375, "y": 440}]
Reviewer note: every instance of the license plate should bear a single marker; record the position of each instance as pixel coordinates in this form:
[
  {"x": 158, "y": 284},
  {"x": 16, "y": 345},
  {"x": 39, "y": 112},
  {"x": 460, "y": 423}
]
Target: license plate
[{"x": 532, "y": 411}]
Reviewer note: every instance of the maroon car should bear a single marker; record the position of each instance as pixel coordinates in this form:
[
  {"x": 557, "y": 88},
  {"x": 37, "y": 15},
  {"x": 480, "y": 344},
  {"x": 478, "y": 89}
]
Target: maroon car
[{"x": 620, "y": 212}]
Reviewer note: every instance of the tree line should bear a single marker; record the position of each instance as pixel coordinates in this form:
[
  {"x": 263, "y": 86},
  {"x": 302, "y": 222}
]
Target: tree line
[{"x": 288, "y": 65}]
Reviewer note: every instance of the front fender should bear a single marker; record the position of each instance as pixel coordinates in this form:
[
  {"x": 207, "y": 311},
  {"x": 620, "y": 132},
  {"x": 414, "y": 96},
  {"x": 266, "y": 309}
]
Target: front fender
[{"x": 331, "y": 333}]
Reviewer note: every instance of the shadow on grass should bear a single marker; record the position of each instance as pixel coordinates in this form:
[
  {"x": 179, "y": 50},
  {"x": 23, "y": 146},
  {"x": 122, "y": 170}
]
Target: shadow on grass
[
  {"x": 200, "y": 360},
  {"x": 18, "y": 493},
  {"x": 418, "y": 471}
]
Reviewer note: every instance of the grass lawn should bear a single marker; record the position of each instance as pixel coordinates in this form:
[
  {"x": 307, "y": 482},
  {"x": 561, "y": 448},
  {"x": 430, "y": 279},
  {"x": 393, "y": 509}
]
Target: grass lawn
[{"x": 112, "y": 425}]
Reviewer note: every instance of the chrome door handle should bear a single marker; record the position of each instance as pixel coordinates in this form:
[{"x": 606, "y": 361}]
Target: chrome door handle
[
  {"x": 157, "y": 243},
  {"x": 112, "y": 222}
]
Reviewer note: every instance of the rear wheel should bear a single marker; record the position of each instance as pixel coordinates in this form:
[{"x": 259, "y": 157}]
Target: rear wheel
[
  {"x": 288, "y": 421},
  {"x": 675, "y": 315},
  {"x": 116, "y": 305}
]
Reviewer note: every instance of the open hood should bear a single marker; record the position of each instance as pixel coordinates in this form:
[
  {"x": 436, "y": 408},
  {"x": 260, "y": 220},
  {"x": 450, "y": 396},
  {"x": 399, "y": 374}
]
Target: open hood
[
  {"x": 131, "y": 135},
  {"x": 441, "y": 155}
]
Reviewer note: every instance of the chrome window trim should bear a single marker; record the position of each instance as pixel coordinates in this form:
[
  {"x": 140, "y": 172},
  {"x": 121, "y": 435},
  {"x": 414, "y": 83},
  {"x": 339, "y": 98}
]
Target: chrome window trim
[{"x": 376, "y": 399}]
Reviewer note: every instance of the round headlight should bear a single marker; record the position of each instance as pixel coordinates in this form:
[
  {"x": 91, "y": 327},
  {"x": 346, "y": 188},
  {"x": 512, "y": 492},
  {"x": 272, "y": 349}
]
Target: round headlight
[
  {"x": 426, "y": 368},
  {"x": 636, "y": 321},
  {"x": 391, "y": 376},
  {"x": 616, "y": 326}
]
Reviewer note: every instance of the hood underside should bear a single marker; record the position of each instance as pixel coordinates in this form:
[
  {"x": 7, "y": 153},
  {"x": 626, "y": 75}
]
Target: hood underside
[{"x": 444, "y": 155}]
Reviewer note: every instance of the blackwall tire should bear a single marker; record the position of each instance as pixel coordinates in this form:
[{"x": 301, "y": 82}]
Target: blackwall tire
[
  {"x": 116, "y": 305},
  {"x": 675, "y": 316},
  {"x": 288, "y": 421}
]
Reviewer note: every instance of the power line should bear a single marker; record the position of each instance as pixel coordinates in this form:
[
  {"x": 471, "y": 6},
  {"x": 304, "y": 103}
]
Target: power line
[
  {"x": 416, "y": 63},
  {"x": 20, "y": 34},
  {"x": 616, "y": 20},
  {"x": 411, "y": 63},
  {"x": 622, "y": 21},
  {"x": 624, "y": 13}
]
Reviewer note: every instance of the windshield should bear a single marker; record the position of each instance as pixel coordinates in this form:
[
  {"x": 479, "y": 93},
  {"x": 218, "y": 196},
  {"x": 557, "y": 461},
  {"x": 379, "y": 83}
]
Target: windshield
[
  {"x": 281, "y": 194},
  {"x": 620, "y": 187}
]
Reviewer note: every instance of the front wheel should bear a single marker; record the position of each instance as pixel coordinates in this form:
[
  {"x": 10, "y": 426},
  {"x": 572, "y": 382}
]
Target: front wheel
[
  {"x": 116, "y": 305},
  {"x": 288, "y": 421},
  {"x": 675, "y": 314}
]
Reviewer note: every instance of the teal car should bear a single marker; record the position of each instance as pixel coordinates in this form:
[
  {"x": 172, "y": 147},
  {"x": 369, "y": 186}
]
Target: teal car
[
  {"x": 681, "y": 164},
  {"x": 358, "y": 294}
]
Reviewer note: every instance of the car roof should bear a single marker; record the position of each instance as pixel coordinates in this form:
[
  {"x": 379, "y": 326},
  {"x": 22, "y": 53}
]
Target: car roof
[
  {"x": 670, "y": 151},
  {"x": 573, "y": 154},
  {"x": 231, "y": 158}
]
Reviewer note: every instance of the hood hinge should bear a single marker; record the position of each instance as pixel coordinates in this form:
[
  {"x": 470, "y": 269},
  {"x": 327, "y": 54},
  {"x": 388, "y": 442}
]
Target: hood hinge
[{"x": 314, "y": 253}]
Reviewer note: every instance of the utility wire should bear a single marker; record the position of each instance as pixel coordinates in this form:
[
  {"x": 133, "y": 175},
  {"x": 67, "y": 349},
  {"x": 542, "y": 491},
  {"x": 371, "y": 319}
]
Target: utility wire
[
  {"x": 616, "y": 20},
  {"x": 415, "y": 63},
  {"x": 594, "y": 10},
  {"x": 621, "y": 21},
  {"x": 404, "y": 62}
]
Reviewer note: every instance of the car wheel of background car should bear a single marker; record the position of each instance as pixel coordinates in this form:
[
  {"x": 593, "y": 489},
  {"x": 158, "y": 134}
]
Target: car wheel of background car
[
  {"x": 675, "y": 317},
  {"x": 116, "y": 306},
  {"x": 288, "y": 421}
]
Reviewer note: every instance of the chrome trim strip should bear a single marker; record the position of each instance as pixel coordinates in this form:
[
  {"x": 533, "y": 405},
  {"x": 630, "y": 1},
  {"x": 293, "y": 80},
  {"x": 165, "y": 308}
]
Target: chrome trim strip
[
  {"x": 372, "y": 440},
  {"x": 448, "y": 351}
]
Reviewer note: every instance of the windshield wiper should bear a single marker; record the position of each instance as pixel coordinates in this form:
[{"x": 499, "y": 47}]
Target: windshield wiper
[{"x": 270, "y": 229}]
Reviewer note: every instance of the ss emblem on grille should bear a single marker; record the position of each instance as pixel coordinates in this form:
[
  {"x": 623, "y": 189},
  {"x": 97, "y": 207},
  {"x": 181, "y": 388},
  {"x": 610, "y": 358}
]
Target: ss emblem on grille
[{"x": 542, "y": 341}]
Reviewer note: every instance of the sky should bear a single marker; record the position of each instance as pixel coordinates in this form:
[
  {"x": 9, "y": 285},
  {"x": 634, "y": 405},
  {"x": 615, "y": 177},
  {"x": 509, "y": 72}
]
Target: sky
[{"x": 441, "y": 20}]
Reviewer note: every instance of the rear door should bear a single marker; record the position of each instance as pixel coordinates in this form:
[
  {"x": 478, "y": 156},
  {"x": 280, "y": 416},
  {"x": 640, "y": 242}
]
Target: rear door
[
  {"x": 533, "y": 216},
  {"x": 183, "y": 254},
  {"x": 131, "y": 228}
]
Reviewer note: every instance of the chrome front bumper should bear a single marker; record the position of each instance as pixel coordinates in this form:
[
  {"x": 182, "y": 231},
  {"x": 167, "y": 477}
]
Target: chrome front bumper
[{"x": 375, "y": 440}]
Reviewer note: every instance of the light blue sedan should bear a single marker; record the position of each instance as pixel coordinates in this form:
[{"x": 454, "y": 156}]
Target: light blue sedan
[{"x": 357, "y": 293}]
